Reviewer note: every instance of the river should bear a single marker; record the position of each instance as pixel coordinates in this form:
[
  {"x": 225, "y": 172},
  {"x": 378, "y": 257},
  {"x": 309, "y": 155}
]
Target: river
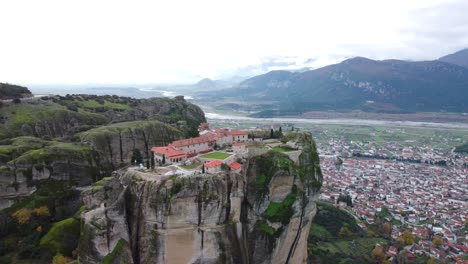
[{"x": 338, "y": 121}]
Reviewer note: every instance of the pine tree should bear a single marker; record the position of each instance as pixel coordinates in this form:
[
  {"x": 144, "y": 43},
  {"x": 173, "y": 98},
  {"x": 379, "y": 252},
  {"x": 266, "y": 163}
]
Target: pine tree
[
  {"x": 136, "y": 157},
  {"x": 152, "y": 160},
  {"x": 203, "y": 168},
  {"x": 164, "y": 159}
]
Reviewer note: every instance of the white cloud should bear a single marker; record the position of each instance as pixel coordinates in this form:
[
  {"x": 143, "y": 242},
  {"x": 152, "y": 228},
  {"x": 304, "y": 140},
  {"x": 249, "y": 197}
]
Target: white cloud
[{"x": 178, "y": 41}]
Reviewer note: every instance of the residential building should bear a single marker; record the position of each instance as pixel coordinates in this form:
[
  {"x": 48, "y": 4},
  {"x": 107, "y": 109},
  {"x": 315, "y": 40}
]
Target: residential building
[
  {"x": 194, "y": 145},
  {"x": 168, "y": 155},
  {"x": 213, "y": 166}
]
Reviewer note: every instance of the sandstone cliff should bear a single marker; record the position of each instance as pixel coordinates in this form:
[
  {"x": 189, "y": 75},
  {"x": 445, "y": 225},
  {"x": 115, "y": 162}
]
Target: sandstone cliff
[
  {"x": 260, "y": 216},
  {"x": 115, "y": 143},
  {"x": 27, "y": 160},
  {"x": 62, "y": 117}
]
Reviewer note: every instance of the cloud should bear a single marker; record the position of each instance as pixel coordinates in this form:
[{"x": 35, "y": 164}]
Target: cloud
[{"x": 179, "y": 41}]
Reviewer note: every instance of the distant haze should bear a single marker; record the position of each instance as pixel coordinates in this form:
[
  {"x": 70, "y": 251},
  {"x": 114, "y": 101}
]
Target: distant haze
[{"x": 138, "y": 42}]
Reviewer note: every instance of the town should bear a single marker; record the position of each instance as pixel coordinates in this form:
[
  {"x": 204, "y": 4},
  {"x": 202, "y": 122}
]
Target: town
[{"x": 418, "y": 189}]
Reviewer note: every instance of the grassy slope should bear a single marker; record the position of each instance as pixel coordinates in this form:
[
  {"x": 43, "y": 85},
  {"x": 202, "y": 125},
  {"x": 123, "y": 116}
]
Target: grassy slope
[
  {"x": 8, "y": 91},
  {"x": 216, "y": 155},
  {"x": 327, "y": 246}
]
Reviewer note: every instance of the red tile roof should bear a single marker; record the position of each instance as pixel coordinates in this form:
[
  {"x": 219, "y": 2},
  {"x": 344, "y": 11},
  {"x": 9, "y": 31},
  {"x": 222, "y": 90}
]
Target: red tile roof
[
  {"x": 168, "y": 152},
  {"x": 237, "y": 133},
  {"x": 193, "y": 141},
  {"x": 235, "y": 165},
  {"x": 213, "y": 163}
]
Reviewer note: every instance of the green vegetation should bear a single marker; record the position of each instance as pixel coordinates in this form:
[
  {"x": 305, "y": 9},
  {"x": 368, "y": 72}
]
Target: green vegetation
[
  {"x": 268, "y": 165},
  {"x": 99, "y": 184},
  {"x": 216, "y": 155},
  {"x": 282, "y": 212},
  {"x": 107, "y": 104},
  {"x": 283, "y": 149},
  {"x": 320, "y": 233},
  {"x": 31, "y": 119},
  {"x": 265, "y": 228},
  {"x": 54, "y": 151},
  {"x": 177, "y": 185},
  {"x": 76, "y": 113},
  {"x": 31, "y": 218},
  {"x": 62, "y": 237},
  {"x": 333, "y": 219},
  {"x": 192, "y": 166},
  {"x": 345, "y": 251},
  {"x": 335, "y": 237},
  {"x": 113, "y": 256},
  {"x": 10, "y": 91}
]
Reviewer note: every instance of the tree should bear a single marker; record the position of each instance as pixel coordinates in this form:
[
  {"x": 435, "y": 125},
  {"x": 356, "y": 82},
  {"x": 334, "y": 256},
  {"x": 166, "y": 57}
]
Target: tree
[
  {"x": 42, "y": 211},
  {"x": 345, "y": 232},
  {"x": 408, "y": 238},
  {"x": 136, "y": 157},
  {"x": 431, "y": 261},
  {"x": 400, "y": 240},
  {"x": 152, "y": 160},
  {"x": 280, "y": 130},
  {"x": 345, "y": 198},
  {"x": 386, "y": 228},
  {"x": 60, "y": 259},
  {"x": 402, "y": 256},
  {"x": 203, "y": 168},
  {"x": 378, "y": 254},
  {"x": 437, "y": 241},
  {"x": 271, "y": 133},
  {"x": 23, "y": 215},
  {"x": 164, "y": 159}
]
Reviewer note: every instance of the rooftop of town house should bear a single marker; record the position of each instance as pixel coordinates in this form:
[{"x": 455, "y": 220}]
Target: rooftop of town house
[
  {"x": 192, "y": 141},
  {"x": 213, "y": 163},
  {"x": 235, "y": 166},
  {"x": 237, "y": 133},
  {"x": 169, "y": 152}
]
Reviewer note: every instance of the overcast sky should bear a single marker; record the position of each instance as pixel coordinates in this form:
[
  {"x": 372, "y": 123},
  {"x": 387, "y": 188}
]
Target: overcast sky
[{"x": 170, "y": 41}]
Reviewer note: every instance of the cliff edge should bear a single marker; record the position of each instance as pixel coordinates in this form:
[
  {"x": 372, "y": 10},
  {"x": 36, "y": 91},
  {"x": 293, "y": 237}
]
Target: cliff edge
[{"x": 261, "y": 215}]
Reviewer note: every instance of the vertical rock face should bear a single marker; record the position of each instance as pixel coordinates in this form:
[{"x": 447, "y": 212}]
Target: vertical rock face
[
  {"x": 260, "y": 216},
  {"x": 29, "y": 160},
  {"x": 115, "y": 143}
]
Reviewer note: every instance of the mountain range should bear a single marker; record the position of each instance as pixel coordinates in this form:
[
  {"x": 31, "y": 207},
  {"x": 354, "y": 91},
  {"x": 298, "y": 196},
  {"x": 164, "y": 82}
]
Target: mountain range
[
  {"x": 391, "y": 86},
  {"x": 459, "y": 58}
]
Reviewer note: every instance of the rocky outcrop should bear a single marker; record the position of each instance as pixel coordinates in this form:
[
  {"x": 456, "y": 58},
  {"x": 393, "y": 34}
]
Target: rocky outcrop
[
  {"x": 162, "y": 109},
  {"x": 29, "y": 159},
  {"x": 63, "y": 117},
  {"x": 115, "y": 143},
  {"x": 260, "y": 216}
]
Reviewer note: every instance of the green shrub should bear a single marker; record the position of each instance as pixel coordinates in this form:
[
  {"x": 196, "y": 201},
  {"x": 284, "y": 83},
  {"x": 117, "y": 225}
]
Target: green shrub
[{"x": 62, "y": 237}]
